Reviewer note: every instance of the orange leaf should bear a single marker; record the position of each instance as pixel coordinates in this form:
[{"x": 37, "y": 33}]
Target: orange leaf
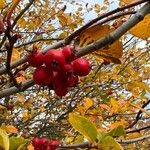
[
  {"x": 145, "y": 26},
  {"x": 9, "y": 128},
  {"x": 30, "y": 147},
  {"x": 110, "y": 52}
]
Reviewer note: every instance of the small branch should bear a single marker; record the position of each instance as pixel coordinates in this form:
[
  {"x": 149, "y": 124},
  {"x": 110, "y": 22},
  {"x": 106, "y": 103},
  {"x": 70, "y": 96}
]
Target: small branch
[
  {"x": 9, "y": 54},
  {"x": 77, "y": 32},
  {"x": 73, "y": 146},
  {"x": 38, "y": 40},
  {"x": 115, "y": 35},
  {"x": 22, "y": 12},
  {"x": 138, "y": 117},
  {"x": 134, "y": 140},
  {"x": 138, "y": 130},
  {"x": 13, "y": 90}
]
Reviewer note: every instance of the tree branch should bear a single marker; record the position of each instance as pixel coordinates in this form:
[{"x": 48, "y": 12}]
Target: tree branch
[
  {"x": 115, "y": 35},
  {"x": 138, "y": 117},
  {"x": 134, "y": 140}
]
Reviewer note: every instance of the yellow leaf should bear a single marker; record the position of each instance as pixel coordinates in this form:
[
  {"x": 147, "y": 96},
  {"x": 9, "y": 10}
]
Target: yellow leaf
[
  {"x": 20, "y": 98},
  {"x": 110, "y": 52},
  {"x": 64, "y": 19},
  {"x": 88, "y": 103},
  {"x": 22, "y": 23},
  {"x": 114, "y": 105},
  {"x": 122, "y": 122},
  {"x": 4, "y": 140},
  {"x": 15, "y": 55},
  {"x": 2, "y": 107},
  {"x": 142, "y": 29},
  {"x": 141, "y": 85},
  {"x": 2, "y": 4},
  {"x": 84, "y": 126},
  {"x": 9, "y": 128}
]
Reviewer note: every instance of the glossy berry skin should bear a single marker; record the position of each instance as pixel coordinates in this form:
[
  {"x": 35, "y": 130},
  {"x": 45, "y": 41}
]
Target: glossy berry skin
[
  {"x": 43, "y": 142},
  {"x": 36, "y": 142},
  {"x": 54, "y": 144},
  {"x": 81, "y": 66},
  {"x": 72, "y": 80},
  {"x": 36, "y": 59},
  {"x": 67, "y": 69},
  {"x": 42, "y": 76},
  {"x": 68, "y": 54},
  {"x": 59, "y": 84},
  {"x": 54, "y": 60}
]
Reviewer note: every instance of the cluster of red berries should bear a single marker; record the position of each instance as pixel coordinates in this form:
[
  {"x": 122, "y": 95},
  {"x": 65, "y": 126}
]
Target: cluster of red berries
[
  {"x": 44, "y": 144},
  {"x": 58, "y": 69}
]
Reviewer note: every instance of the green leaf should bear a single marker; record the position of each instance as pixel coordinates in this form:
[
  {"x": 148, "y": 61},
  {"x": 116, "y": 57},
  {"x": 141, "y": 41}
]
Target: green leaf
[
  {"x": 119, "y": 131},
  {"x": 17, "y": 143},
  {"x": 4, "y": 140},
  {"x": 108, "y": 143},
  {"x": 101, "y": 135},
  {"x": 84, "y": 126}
]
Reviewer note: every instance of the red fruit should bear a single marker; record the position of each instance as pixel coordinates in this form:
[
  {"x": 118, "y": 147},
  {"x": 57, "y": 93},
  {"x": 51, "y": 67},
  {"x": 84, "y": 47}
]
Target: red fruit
[
  {"x": 54, "y": 60},
  {"x": 43, "y": 142},
  {"x": 36, "y": 142},
  {"x": 81, "y": 67},
  {"x": 72, "y": 80},
  {"x": 42, "y": 76},
  {"x": 48, "y": 148},
  {"x": 68, "y": 54},
  {"x": 54, "y": 144},
  {"x": 36, "y": 59},
  {"x": 59, "y": 84},
  {"x": 68, "y": 69}
]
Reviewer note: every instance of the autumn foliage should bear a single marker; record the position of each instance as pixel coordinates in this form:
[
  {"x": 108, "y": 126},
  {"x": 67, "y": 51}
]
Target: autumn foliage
[{"x": 74, "y": 75}]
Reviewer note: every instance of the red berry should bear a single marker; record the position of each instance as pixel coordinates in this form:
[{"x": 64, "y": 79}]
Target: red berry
[
  {"x": 36, "y": 142},
  {"x": 54, "y": 60},
  {"x": 43, "y": 142},
  {"x": 42, "y": 76},
  {"x": 48, "y": 148},
  {"x": 59, "y": 84},
  {"x": 68, "y": 69},
  {"x": 81, "y": 67},
  {"x": 36, "y": 59},
  {"x": 54, "y": 144},
  {"x": 68, "y": 54},
  {"x": 72, "y": 80}
]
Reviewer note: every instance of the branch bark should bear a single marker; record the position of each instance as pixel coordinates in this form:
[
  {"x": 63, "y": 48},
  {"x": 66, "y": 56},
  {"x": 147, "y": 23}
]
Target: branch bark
[{"x": 115, "y": 35}]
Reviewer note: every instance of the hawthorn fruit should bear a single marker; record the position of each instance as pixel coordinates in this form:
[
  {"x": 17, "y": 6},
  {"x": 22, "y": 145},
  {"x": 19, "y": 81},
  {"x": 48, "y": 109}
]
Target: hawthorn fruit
[
  {"x": 54, "y": 60},
  {"x": 81, "y": 67},
  {"x": 42, "y": 76},
  {"x": 36, "y": 59},
  {"x": 68, "y": 54}
]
